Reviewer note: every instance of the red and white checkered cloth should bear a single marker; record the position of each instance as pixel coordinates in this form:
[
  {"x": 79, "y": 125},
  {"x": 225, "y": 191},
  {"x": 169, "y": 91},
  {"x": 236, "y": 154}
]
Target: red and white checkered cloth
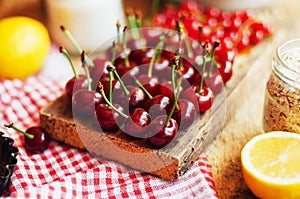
[{"x": 65, "y": 172}]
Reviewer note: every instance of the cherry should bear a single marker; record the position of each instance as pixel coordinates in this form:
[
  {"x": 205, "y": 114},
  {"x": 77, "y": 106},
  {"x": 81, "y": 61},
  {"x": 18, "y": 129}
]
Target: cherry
[
  {"x": 214, "y": 82},
  {"x": 99, "y": 70},
  {"x": 158, "y": 105},
  {"x": 108, "y": 119},
  {"x": 162, "y": 133},
  {"x": 83, "y": 102},
  {"x": 205, "y": 99},
  {"x": 137, "y": 124},
  {"x": 109, "y": 115},
  {"x": 36, "y": 139},
  {"x": 137, "y": 99},
  {"x": 186, "y": 114},
  {"x": 225, "y": 69},
  {"x": 74, "y": 84}
]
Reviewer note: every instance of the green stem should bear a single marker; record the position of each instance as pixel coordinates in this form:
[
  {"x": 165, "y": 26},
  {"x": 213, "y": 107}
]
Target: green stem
[
  {"x": 10, "y": 125},
  {"x": 143, "y": 88},
  {"x": 118, "y": 25},
  {"x": 111, "y": 78},
  {"x": 86, "y": 70},
  {"x": 174, "y": 86},
  {"x": 112, "y": 106},
  {"x": 67, "y": 55},
  {"x": 114, "y": 52},
  {"x": 157, "y": 53},
  {"x": 88, "y": 77},
  {"x": 202, "y": 74},
  {"x": 127, "y": 64},
  {"x": 175, "y": 103},
  {"x": 75, "y": 44},
  {"x": 121, "y": 82}
]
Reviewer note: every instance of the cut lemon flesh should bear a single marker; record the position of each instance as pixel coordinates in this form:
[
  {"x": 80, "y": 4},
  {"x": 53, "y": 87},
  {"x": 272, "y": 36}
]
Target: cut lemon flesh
[{"x": 271, "y": 165}]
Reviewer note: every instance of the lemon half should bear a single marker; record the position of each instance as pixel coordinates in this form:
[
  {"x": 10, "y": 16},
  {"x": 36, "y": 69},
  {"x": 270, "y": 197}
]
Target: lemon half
[{"x": 271, "y": 165}]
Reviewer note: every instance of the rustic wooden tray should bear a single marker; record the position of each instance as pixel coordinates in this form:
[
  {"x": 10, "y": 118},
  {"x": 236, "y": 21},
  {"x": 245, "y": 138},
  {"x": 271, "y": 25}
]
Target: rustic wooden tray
[{"x": 167, "y": 163}]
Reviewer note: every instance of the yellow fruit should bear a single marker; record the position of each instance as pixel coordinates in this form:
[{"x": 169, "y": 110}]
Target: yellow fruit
[
  {"x": 24, "y": 45},
  {"x": 271, "y": 165}
]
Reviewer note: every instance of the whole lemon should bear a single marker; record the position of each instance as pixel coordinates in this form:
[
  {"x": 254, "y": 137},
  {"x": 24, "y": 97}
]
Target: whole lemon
[{"x": 24, "y": 45}]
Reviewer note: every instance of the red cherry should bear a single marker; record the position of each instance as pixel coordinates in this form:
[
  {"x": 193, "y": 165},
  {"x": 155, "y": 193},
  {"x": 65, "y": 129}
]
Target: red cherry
[
  {"x": 137, "y": 124},
  {"x": 161, "y": 134},
  {"x": 186, "y": 114},
  {"x": 73, "y": 85},
  {"x": 214, "y": 82},
  {"x": 83, "y": 102},
  {"x": 39, "y": 143},
  {"x": 108, "y": 119},
  {"x": 205, "y": 99},
  {"x": 137, "y": 99},
  {"x": 158, "y": 105},
  {"x": 36, "y": 139}
]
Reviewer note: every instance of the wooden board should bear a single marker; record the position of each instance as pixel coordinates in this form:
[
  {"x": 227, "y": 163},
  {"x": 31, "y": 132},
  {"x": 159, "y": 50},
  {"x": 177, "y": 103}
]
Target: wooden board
[{"x": 169, "y": 162}]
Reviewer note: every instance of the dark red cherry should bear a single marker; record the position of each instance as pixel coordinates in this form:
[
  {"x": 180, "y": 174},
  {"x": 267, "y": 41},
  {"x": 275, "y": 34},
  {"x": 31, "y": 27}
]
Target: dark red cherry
[
  {"x": 225, "y": 69},
  {"x": 205, "y": 99},
  {"x": 75, "y": 84},
  {"x": 36, "y": 139},
  {"x": 137, "y": 99},
  {"x": 137, "y": 124},
  {"x": 160, "y": 134},
  {"x": 83, "y": 102},
  {"x": 158, "y": 105},
  {"x": 39, "y": 143},
  {"x": 99, "y": 69},
  {"x": 186, "y": 114},
  {"x": 166, "y": 90},
  {"x": 108, "y": 119},
  {"x": 214, "y": 82}
]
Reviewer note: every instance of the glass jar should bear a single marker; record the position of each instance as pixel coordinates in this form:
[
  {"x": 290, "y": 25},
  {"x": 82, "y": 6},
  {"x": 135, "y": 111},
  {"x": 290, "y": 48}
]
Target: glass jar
[{"x": 282, "y": 98}]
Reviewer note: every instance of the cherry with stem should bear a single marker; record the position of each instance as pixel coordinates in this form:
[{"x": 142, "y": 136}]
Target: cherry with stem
[{"x": 36, "y": 140}]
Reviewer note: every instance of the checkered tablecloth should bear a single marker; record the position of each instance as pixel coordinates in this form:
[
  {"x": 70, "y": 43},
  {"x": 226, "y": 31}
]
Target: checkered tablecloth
[{"x": 65, "y": 172}]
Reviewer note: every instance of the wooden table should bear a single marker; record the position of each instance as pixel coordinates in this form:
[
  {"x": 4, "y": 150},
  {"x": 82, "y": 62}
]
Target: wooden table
[{"x": 248, "y": 98}]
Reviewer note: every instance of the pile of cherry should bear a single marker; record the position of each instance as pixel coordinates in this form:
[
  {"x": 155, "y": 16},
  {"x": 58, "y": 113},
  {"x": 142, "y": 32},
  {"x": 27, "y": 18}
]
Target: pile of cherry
[{"x": 155, "y": 82}]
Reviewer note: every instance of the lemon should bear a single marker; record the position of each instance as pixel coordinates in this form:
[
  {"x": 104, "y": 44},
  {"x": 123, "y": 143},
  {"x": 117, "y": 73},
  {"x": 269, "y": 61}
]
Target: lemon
[
  {"x": 271, "y": 165},
  {"x": 24, "y": 45}
]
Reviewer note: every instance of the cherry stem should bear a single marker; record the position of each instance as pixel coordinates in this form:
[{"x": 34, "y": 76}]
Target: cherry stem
[
  {"x": 174, "y": 67},
  {"x": 111, "y": 78},
  {"x": 138, "y": 16},
  {"x": 114, "y": 52},
  {"x": 67, "y": 55},
  {"x": 100, "y": 87},
  {"x": 85, "y": 68},
  {"x": 11, "y": 125},
  {"x": 143, "y": 88},
  {"x": 125, "y": 47},
  {"x": 132, "y": 23},
  {"x": 118, "y": 25},
  {"x": 182, "y": 33},
  {"x": 75, "y": 44},
  {"x": 203, "y": 67},
  {"x": 175, "y": 102},
  {"x": 157, "y": 53},
  {"x": 112, "y": 68}
]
